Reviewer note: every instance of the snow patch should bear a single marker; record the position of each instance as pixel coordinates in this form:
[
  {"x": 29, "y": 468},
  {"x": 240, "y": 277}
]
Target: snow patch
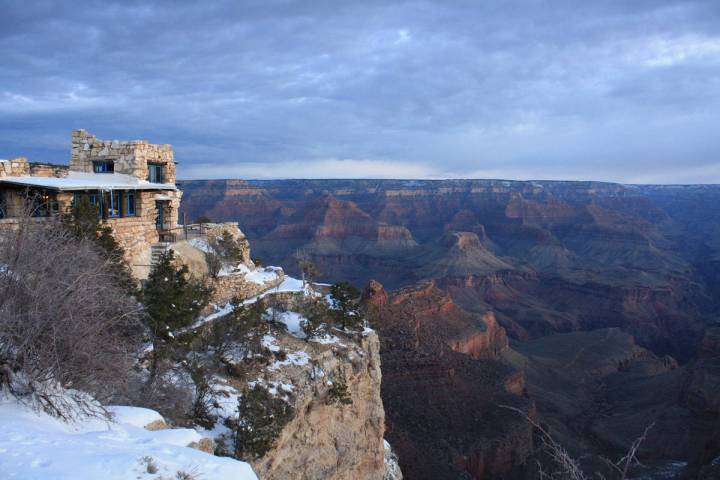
[
  {"x": 268, "y": 342},
  {"x": 261, "y": 277},
  {"x": 34, "y": 445},
  {"x": 201, "y": 245},
  {"x": 298, "y": 358},
  {"x": 135, "y": 416},
  {"x": 291, "y": 320}
]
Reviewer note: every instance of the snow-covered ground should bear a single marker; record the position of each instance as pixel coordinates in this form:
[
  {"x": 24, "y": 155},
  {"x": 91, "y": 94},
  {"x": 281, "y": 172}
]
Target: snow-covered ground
[
  {"x": 201, "y": 245},
  {"x": 289, "y": 284},
  {"x": 292, "y": 320},
  {"x": 261, "y": 276},
  {"x": 34, "y": 445}
]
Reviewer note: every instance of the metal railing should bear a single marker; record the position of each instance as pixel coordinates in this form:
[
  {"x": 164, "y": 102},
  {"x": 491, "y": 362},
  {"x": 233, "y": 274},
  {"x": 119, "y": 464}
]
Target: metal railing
[{"x": 183, "y": 232}]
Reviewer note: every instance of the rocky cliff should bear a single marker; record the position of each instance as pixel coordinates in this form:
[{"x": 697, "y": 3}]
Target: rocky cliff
[
  {"x": 323, "y": 440},
  {"x": 443, "y": 386},
  {"x": 572, "y": 255},
  {"x": 483, "y": 271},
  {"x": 293, "y": 376}
]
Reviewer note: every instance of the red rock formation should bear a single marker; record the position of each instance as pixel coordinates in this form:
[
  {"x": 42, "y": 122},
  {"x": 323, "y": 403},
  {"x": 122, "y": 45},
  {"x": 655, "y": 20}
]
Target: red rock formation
[
  {"x": 375, "y": 294},
  {"x": 543, "y": 257},
  {"x": 442, "y": 386}
]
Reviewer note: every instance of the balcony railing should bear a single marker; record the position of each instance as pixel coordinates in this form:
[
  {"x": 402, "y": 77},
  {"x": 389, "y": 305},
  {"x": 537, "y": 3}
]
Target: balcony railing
[{"x": 183, "y": 232}]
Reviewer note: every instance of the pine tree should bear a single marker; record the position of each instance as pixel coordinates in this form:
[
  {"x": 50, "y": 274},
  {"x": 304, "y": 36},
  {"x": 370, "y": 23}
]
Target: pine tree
[
  {"x": 316, "y": 316},
  {"x": 172, "y": 302},
  {"x": 261, "y": 419},
  {"x": 84, "y": 222},
  {"x": 347, "y": 305},
  {"x": 338, "y": 394}
]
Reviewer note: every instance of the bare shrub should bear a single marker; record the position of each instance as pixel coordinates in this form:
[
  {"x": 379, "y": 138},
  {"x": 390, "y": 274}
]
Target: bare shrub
[
  {"x": 562, "y": 466},
  {"x": 214, "y": 263},
  {"x": 150, "y": 465},
  {"x": 64, "y": 320},
  {"x": 307, "y": 267}
]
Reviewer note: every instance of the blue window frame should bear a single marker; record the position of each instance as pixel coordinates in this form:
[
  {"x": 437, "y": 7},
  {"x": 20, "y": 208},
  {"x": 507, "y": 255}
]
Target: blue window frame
[
  {"x": 103, "y": 166},
  {"x": 159, "y": 221},
  {"x": 114, "y": 206},
  {"x": 3, "y": 204},
  {"x": 156, "y": 173},
  {"x": 130, "y": 204},
  {"x": 97, "y": 200}
]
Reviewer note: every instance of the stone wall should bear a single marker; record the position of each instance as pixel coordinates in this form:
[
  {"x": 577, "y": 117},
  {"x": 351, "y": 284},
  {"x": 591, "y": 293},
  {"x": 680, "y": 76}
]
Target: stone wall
[
  {"x": 130, "y": 157},
  {"x": 218, "y": 230},
  {"x": 134, "y": 234},
  {"x": 137, "y": 234},
  {"x": 48, "y": 170},
  {"x": 229, "y": 284},
  {"x": 15, "y": 167},
  {"x": 227, "y": 287}
]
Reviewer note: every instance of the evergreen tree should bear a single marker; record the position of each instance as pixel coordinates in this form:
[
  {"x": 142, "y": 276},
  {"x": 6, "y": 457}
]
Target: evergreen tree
[
  {"x": 338, "y": 394},
  {"x": 227, "y": 247},
  {"x": 172, "y": 301},
  {"x": 260, "y": 421},
  {"x": 316, "y": 316},
  {"x": 84, "y": 222},
  {"x": 347, "y": 305}
]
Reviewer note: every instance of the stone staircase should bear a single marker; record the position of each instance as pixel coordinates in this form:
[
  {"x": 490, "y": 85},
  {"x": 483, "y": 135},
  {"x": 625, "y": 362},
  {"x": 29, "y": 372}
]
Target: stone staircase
[{"x": 156, "y": 251}]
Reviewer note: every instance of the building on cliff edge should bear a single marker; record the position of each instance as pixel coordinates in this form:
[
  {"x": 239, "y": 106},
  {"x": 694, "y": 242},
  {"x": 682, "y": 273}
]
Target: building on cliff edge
[{"x": 131, "y": 182}]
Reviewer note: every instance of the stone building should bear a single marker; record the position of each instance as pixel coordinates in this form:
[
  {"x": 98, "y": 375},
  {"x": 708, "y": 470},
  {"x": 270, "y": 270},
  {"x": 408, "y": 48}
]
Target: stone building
[{"x": 131, "y": 182}]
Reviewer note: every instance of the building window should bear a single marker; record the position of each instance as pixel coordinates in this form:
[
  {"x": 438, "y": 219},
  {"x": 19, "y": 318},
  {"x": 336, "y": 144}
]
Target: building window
[
  {"x": 156, "y": 173},
  {"x": 97, "y": 201},
  {"x": 103, "y": 166},
  {"x": 3, "y": 204},
  {"x": 39, "y": 203},
  {"x": 130, "y": 204},
  {"x": 114, "y": 206}
]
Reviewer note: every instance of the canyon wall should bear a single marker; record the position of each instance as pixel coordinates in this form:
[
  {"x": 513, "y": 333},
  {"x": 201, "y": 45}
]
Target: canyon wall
[
  {"x": 546, "y": 257},
  {"x": 615, "y": 286},
  {"x": 323, "y": 440}
]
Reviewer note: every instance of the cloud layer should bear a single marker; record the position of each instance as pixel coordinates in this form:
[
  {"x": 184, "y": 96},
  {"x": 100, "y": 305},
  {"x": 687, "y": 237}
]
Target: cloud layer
[{"x": 605, "y": 90}]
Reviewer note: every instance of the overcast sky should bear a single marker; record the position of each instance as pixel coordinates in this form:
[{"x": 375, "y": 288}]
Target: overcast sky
[{"x": 625, "y": 90}]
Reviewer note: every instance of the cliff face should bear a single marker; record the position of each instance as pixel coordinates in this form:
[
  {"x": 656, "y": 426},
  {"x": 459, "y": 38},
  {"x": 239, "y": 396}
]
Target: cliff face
[
  {"x": 572, "y": 255},
  {"x": 621, "y": 389},
  {"x": 326, "y": 441},
  {"x": 315, "y": 437},
  {"x": 442, "y": 387},
  {"x": 478, "y": 261}
]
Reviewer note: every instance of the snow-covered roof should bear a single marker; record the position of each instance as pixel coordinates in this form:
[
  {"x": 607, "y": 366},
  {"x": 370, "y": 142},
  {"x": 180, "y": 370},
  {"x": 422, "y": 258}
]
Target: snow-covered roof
[{"x": 89, "y": 181}]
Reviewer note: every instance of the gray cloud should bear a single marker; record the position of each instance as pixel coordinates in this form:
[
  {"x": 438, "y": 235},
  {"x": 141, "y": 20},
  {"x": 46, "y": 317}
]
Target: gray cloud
[{"x": 607, "y": 90}]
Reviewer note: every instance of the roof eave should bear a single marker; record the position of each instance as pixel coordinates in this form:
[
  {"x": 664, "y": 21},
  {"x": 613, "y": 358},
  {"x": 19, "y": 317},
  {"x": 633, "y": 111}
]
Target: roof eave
[{"x": 81, "y": 188}]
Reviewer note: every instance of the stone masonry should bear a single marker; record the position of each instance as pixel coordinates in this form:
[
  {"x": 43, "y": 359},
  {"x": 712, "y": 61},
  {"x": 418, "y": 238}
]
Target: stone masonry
[{"x": 130, "y": 157}]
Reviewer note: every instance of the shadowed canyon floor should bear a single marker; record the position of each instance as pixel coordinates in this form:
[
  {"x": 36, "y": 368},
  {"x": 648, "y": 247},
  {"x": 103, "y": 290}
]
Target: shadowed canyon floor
[{"x": 606, "y": 293}]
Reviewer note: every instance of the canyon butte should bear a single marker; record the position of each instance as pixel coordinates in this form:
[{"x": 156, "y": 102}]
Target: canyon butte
[{"x": 591, "y": 307}]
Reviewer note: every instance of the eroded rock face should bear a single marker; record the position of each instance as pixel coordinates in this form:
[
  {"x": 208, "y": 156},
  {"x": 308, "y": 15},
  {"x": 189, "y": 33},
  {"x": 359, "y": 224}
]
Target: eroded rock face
[
  {"x": 602, "y": 255},
  {"x": 442, "y": 388},
  {"x": 239, "y": 279},
  {"x": 331, "y": 442},
  {"x": 487, "y": 343},
  {"x": 375, "y": 293},
  {"x": 624, "y": 388}
]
